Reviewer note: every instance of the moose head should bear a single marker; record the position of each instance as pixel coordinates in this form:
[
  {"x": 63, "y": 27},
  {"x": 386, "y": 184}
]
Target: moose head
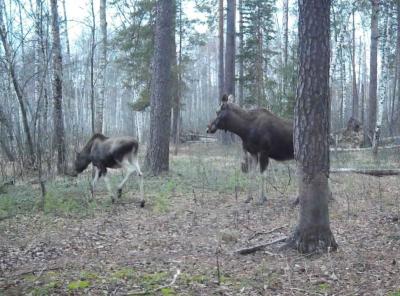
[
  {"x": 223, "y": 114},
  {"x": 82, "y": 160}
]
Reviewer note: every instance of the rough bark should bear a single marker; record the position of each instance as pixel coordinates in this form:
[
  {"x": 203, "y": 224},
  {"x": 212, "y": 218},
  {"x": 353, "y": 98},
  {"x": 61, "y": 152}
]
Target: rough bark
[
  {"x": 58, "y": 120},
  {"x": 311, "y": 129},
  {"x": 102, "y": 70},
  {"x": 221, "y": 49},
  {"x": 230, "y": 48},
  {"x": 157, "y": 157},
  {"x": 373, "y": 79}
]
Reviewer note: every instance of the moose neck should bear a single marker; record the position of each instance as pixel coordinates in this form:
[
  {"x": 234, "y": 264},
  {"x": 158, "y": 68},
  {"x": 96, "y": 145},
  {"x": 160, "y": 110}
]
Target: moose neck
[{"x": 238, "y": 124}]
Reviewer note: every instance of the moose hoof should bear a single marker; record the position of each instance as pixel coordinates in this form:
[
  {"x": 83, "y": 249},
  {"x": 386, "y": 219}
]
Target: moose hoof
[
  {"x": 142, "y": 203},
  {"x": 112, "y": 199},
  {"x": 119, "y": 193}
]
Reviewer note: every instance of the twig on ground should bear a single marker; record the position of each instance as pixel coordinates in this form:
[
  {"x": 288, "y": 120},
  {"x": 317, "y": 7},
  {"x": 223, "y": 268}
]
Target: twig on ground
[
  {"x": 266, "y": 232},
  {"x": 256, "y": 248},
  {"x": 152, "y": 291}
]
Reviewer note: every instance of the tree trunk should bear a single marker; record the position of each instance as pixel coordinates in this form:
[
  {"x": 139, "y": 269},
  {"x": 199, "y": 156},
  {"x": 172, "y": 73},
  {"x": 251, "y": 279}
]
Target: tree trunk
[
  {"x": 17, "y": 87},
  {"x": 178, "y": 87},
  {"x": 92, "y": 47},
  {"x": 157, "y": 157},
  {"x": 382, "y": 84},
  {"x": 102, "y": 71},
  {"x": 66, "y": 34},
  {"x": 285, "y": 35},
  {"x": 5, "y": 123},
  {"x": 221, "y": 49},
  {"x": 396, "y": 81},
  {"x": 230, "y": 48},
  {"x": 311, "y": 129},
  {"x": 373, "y": 82},
  {"x": 241, "y": 44},
  {"x": 355, "y": 112},
  {"x": 58, "y": 120}
]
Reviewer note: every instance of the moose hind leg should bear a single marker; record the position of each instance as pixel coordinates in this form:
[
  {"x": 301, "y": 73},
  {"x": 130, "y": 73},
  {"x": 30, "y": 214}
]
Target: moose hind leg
[
  {"x": 130, "y": 170},
  {"x": 135, "y": 162},
  {"x": 108, "y": 184}
]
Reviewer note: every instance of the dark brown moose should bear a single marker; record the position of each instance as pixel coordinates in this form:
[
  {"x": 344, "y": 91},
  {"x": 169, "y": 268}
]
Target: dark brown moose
[
  {"x": 264, "y": 135},
  {"x": 104, "y": 153}
]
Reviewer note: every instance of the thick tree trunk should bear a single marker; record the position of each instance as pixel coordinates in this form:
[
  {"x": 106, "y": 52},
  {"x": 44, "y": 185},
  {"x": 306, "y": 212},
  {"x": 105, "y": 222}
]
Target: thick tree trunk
[
  {"x": 373, "y": 82},
  {"x": 102, "y": 71},
  {"x": 382, "y": 83},
  {"x": 58, "y": 120},
  {"x": 221, "y": 49},
  {"x": 157, "y": 157},
  {"x": 311, "y": 129},
  {"x": 17, "y": 87},
  {"x": 230, "y": 48}
]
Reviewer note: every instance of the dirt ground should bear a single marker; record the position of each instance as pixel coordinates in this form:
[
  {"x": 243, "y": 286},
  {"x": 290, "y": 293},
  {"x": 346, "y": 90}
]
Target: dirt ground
[{"x": 185, "y": 243}]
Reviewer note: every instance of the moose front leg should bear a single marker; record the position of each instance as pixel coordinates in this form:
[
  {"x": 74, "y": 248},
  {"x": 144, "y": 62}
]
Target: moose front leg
[
  {"x": 96, "y": 175},
  {"x": 103, "y": 173},
  {"x": 263, "y": 161}
]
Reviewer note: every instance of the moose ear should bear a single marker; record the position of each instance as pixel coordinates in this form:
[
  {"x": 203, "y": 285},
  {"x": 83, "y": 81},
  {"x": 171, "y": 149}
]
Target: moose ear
[
  {"x": 231, "y": 98},
  {"x": 224, "y": 98}
]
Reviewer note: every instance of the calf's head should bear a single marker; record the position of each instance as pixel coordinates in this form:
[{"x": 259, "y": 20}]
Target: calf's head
[
  {"x": 221, "y": 121},
  {"x": 81, "y": 162}
]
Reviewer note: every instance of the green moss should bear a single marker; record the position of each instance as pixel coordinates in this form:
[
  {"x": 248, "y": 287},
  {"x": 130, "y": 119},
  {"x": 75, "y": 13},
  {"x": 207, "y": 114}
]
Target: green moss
[
  {"x": 76, "y": 285},
  {"x": 168, "y": 292}
]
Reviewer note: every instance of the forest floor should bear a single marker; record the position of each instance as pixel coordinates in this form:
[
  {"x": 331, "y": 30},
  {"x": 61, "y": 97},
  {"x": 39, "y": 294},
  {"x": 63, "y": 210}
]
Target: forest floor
[{"x": 183, "y": 241}]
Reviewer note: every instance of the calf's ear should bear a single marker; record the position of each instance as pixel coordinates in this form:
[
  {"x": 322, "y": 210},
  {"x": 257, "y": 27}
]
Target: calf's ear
[{"x": 231, "y": 98}]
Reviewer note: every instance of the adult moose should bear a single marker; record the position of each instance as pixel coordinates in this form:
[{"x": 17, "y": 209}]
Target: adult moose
[
  {"x": 104, "y": 153},
  {"x": 264, "y": 135}
]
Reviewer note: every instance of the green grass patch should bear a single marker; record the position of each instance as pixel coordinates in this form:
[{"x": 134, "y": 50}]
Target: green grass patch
[{"x": 77, "y": 285}]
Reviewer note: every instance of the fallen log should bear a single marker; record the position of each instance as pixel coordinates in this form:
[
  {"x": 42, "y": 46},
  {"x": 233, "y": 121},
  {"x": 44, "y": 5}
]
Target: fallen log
[
  {"x": 371, "y": 172},
  {"x": 332, "y": 149}
]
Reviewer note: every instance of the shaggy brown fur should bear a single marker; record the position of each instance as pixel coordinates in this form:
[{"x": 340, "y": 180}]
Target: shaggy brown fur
[{"x": 264, "y": 134}]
